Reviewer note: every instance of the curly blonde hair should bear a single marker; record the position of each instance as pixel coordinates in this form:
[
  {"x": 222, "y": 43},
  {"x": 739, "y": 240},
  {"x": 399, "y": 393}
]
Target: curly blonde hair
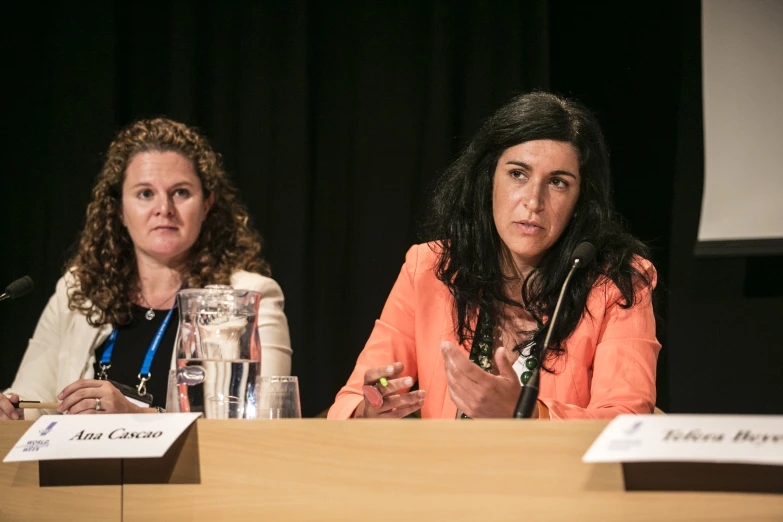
[{"x": 104, "y": 265}]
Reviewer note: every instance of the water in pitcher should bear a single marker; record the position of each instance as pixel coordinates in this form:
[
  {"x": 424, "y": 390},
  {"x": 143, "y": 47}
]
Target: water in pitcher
[
  {"x": 220, "y": 388},
  {"x": 218, "y": 353}
]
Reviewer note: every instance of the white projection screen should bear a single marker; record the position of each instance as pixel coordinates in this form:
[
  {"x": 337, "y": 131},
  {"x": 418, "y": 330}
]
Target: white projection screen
[{"x": 742, "y": 59}]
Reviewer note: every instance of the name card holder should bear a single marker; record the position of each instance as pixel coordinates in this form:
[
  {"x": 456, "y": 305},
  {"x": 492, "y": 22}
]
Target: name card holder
[
  {"x": 724, "y": 453},
  {"x": 96, "y": 450},
  {"x": 80, "y": 472},
  {"x": 179, "y": 465},
  {"x": 702, "y": 476}
]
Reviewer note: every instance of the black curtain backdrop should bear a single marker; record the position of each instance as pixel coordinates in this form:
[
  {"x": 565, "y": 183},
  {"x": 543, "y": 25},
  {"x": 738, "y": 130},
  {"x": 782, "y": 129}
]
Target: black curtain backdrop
[{"x": 334, "y": 119}]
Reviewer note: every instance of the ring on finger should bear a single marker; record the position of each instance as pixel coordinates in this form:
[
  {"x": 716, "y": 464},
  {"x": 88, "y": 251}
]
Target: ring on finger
[{"x": 97, "y": 404}]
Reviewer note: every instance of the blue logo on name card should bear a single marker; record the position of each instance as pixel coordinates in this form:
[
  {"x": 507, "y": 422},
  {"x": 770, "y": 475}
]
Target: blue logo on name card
[
  {"x": 634, "y": 428},
  {"x": 33, "y": 445},
  {"x": 47, "y": 429}
]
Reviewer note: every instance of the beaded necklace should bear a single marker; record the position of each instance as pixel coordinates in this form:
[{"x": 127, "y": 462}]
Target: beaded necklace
[{"x": 481, "y": 350}]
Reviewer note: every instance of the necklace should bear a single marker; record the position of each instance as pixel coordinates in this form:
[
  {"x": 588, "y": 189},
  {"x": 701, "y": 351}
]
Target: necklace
[
  {"x": 150, "y": 315},
  {"x": 481, "y": 350}
]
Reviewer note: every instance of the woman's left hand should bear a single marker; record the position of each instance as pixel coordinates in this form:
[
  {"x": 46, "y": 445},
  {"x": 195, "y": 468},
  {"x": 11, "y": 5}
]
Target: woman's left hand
[
  {"x": 477, "y": 393},
  {"x": 85, "y": 395}
]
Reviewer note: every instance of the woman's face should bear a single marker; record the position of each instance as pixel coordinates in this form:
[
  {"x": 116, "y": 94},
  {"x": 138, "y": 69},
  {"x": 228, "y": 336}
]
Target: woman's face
[
  {"x": 535, "y": 189},
  {"x": 163, "y": 205}
]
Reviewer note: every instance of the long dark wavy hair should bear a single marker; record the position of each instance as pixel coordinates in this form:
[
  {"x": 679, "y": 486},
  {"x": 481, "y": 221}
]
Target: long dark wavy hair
[
  {"x": 470, "y": 250},
  {"x": 104, "y": 262}
]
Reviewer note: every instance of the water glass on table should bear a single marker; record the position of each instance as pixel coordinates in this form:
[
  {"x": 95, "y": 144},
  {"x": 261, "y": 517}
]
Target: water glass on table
[{"x": 279, "y": 398}]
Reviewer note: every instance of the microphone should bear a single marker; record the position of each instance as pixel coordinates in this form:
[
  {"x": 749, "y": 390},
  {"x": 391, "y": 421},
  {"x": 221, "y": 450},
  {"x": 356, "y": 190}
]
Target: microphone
[
  {"x": 22, "y": 286},
  {"x": 582, "y": 256}
]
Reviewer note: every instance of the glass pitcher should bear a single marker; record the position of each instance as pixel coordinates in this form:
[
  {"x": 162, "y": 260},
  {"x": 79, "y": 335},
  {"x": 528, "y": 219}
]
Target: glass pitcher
[{"x": 218, "y": 353}]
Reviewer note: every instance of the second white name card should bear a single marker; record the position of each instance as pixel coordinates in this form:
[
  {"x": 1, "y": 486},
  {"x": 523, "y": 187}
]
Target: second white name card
[{"x": 746, "y": 439}]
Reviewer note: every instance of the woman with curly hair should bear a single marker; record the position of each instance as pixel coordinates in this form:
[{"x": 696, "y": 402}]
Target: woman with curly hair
[
  {"x": 163, "y": 216},
  {"x": 469, "y": 313}
]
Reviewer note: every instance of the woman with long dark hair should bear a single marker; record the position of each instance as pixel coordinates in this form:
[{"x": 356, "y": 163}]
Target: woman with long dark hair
[{"x": 469, "y": 313}]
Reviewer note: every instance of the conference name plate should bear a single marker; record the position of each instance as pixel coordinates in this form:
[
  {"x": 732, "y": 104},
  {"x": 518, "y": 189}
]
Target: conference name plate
[
  {"x": 117, "y": 436},
  {"x": 739, "y": 439}
]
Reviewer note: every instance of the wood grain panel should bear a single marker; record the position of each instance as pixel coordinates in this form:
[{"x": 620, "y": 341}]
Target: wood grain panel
[
  {"x": 22, "y": 498},
  {"x": 412, "y": 470}
]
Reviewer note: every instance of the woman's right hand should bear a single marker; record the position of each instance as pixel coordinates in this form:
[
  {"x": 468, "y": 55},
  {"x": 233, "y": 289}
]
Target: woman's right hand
[
  {"x": 393, "y": 404},
  {"x": 7, "y": 410}
]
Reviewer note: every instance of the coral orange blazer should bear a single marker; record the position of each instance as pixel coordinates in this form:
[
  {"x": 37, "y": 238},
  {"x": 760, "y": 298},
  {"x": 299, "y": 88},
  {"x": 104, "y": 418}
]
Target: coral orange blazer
[{"x": 608, "y": 367}]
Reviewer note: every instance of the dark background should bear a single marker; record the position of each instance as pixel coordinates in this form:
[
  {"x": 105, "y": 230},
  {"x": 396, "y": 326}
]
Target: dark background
[{"x": 335, "y": 118}]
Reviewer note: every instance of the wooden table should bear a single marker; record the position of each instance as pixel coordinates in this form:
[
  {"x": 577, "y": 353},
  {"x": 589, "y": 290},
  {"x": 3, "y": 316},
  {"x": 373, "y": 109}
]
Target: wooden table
[{"x": 407, "y": 470}]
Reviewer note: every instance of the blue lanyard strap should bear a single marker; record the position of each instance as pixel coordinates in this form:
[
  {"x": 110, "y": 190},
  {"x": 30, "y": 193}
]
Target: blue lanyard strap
[{"x": 144, "y": 373}]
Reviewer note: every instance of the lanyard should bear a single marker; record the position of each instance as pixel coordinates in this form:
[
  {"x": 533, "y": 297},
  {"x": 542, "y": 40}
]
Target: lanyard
[{"x": 145, "y": 366}]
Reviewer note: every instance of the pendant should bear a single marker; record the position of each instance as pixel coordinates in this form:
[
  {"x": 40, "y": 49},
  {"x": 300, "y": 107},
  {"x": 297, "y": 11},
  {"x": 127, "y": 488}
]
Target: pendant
[{"x": 150, "y": 315}]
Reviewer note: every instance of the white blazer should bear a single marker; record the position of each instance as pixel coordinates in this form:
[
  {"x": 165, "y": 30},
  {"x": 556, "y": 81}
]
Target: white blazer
[{"x": 62, "y": 349}]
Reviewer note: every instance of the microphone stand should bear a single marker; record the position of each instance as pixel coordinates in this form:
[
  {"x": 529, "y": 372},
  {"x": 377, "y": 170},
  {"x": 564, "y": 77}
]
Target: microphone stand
[{"x": 529, "y": 395}]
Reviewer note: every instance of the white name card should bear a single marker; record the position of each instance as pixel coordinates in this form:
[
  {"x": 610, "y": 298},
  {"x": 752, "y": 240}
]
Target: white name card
[
  {"x": 58, "y": 437},
  {"x": 742, "y": 439}
]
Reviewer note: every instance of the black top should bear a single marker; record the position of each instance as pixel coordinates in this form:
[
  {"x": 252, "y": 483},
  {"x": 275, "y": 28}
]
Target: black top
[{"x": 130, "y": 348}]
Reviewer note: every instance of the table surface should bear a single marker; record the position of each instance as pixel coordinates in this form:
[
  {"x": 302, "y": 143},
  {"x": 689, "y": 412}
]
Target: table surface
[{"x": 313, "y": 469}]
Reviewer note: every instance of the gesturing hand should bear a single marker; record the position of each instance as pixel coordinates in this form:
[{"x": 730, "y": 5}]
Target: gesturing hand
[
  {"x": 392, "y": 404},
  {"x": 87, "y": 396},
  {"x": 477, "y": 393}
]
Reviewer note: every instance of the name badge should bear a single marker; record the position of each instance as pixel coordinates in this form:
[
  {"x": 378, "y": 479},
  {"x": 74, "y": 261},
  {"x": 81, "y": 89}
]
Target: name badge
[{"x": 132, "y": 394}]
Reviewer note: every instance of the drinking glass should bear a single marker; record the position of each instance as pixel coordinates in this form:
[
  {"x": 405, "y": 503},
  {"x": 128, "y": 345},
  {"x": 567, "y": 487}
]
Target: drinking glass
[
  {"x": 279, "y": 398},
  {"x": 172, "y": 393}
]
